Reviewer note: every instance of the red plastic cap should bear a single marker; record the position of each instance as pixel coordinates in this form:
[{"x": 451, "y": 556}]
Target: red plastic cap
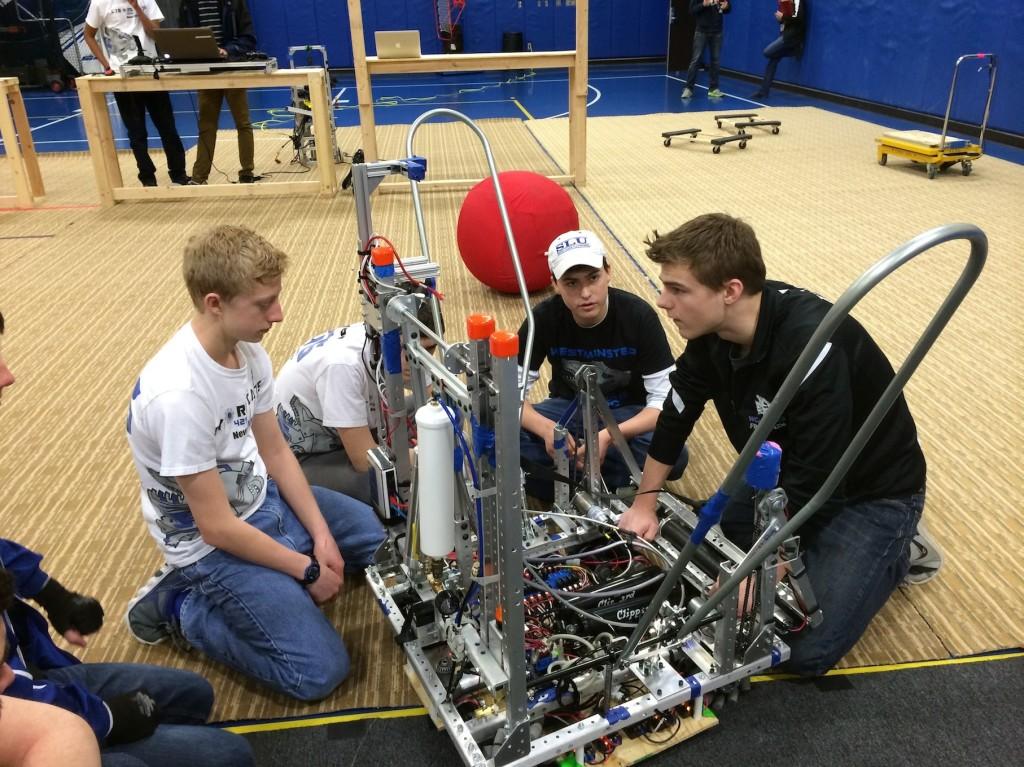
[
  {"x": 382, "y": 255},
  {"x": 479, "y": 326},
  {"x": 504, "y": 343}
]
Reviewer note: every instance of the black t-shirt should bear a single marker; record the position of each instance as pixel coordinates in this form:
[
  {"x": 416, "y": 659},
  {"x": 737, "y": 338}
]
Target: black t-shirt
[{"x": 626, "y": 345}]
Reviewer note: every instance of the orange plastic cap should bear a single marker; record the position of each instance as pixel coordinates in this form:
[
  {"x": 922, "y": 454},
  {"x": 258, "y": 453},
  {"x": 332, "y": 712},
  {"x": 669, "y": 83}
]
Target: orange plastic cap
[
  {"x": 479, "y": 326},
  {"x": 504, "y": 343},
  {"x": 382, "y": 255}
]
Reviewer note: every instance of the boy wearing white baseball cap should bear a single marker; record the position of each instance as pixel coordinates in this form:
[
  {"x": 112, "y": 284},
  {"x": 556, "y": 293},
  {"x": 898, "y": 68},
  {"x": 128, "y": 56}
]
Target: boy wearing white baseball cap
[{"x": 588, "y": 322}]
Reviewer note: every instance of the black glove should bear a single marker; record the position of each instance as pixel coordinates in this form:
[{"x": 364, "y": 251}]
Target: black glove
[
  {"x": 134, "y": 716},
  {"x": 68, "y": 610}
]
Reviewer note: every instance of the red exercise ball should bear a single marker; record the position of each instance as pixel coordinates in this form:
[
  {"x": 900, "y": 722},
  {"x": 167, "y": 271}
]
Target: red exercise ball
[{"x": 538, "y": 209}]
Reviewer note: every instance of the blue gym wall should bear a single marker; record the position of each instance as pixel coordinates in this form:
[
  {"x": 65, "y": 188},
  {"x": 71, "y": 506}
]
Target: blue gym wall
[
  {"x": 618, "y": 28},
  {"x": 895, "y": 53}
]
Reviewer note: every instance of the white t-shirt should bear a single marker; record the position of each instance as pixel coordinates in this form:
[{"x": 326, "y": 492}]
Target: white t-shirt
[
  {"x": 325, "y": 386},
  {"x": 119, "y": 24},
  {"x": 189, "y": 414}
]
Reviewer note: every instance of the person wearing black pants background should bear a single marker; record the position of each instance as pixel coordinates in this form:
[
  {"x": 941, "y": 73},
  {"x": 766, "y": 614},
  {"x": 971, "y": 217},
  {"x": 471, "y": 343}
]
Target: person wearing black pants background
[
  {"x": 792, "y": 17},
  {"x": 232, "y": 27},
  {"x": 124, "y": 27}
]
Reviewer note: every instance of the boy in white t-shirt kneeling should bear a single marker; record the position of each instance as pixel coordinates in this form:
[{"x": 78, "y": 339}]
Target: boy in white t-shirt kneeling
[
  {"x": 325, "y": 404},
  {"x": 250, "y": 549}
]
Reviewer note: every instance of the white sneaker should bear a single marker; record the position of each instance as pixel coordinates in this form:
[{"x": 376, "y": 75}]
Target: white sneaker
[
  {"x": 925, "y": 557},
  {"x": 687, "y": 93}
]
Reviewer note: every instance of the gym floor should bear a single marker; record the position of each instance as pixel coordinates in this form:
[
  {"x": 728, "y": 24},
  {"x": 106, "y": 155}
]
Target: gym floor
[{"x": 615, "y": 89}]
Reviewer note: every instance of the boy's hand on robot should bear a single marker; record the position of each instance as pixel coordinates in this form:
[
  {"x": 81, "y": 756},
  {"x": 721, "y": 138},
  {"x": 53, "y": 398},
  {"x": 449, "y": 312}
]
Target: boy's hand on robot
[
  {"x": 604, "y": 441},
  {"x": 639, "y": 523},
  {"x": 549, "y": 442}
]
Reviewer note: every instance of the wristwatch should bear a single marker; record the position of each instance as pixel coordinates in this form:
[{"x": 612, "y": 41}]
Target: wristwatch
[{"x": 312, "y": 571}]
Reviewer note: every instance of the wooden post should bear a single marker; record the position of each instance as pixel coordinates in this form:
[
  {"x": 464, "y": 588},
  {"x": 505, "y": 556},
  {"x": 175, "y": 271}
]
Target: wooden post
[
  {"x": 319, "y": 99},
  {"x": 101, "y": 152},
  {"x": 28, "y": 146},
  {"x": 364, "y": 89},
  {"x": 19, "y": 147},
  {"x": 578, "y": 93}
]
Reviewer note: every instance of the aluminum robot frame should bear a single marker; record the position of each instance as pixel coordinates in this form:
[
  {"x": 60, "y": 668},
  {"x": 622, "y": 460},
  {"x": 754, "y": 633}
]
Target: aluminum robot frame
[{"x": 467, "y": 568}]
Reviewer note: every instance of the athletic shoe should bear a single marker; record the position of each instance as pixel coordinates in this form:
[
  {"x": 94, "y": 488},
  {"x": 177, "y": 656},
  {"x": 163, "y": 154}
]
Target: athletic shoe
[
  {"x": 687, "y": 93},
  {"x": 148, "y": 180},
  {"x": 150, "y": 617},
  {"x": 925, "y": 558},
  {"x": 182, "y": 181},
  {"x": 714, "y": 93},
  {"x": 248, "y": 178}
]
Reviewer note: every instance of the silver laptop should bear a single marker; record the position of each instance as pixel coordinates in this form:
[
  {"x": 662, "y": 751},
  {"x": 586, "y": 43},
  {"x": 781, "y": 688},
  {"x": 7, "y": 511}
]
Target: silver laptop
[
  {"x": 186, "y": 44},
  {"x": 398, "y": 45}
]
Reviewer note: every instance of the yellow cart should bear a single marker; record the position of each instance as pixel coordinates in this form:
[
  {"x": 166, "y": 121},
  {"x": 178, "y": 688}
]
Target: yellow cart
[{"x": 939, "y": 152}]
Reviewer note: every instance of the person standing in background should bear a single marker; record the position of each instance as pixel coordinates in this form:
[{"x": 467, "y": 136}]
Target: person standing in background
[
  {"x": 791, "y": 16},
  {"x": 124, "y": 27},
  {"x": 232, "y": 27},
  {"x": 708, "y": 34}
]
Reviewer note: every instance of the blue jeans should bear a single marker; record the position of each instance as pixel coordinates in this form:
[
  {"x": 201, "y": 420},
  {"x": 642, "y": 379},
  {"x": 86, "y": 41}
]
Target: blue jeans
[
  {"x": 855, "y": 559},
  {"x": 777, "y": 50},
  {"x": 185, "y": 700},
  {"x": 614, "y": 469},
  {"x": 263, "y": 623},
  {"x": 701, "y": 40}
]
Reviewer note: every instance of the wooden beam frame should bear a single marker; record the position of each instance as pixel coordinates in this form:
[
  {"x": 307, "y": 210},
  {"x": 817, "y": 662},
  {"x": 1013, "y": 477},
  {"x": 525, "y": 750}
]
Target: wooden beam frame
[
  {"x": 575, "y": 61},
  {"x": 19, "y": 148},
  {"x": 92, "y": 93}
]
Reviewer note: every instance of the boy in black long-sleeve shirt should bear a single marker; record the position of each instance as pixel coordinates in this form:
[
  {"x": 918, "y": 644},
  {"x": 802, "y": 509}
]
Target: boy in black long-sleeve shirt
[{"x": 743, "y": 336}]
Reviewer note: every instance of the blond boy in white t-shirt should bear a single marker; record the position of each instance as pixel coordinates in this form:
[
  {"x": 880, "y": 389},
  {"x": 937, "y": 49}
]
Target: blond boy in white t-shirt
[{"x": 250, "y": 549}]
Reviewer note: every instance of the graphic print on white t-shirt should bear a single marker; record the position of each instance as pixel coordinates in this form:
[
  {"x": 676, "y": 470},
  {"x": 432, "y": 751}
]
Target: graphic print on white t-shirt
[
  {"x": 303, "y": 431},
  {"x": 174, "y": 519},
  {"x": 119, "y": 25},
  {"x": 323, "y": 387}
]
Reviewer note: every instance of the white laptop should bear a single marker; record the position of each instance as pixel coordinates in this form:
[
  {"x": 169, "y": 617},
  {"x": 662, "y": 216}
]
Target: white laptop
[{"x": 398, "y": 45}]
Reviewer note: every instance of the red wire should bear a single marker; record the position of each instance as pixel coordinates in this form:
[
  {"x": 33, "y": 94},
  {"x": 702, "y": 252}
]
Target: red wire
[{"x": 416, "y": 283}]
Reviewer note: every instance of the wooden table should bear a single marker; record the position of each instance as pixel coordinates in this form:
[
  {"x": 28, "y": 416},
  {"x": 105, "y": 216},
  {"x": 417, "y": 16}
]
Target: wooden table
[
  {"x": 18, "y": 148},
  {"x": 92, "y": 93}
]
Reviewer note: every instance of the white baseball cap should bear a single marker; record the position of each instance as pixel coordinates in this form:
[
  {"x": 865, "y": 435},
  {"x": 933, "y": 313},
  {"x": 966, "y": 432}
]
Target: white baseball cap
[{"x": 579, "y": 247}]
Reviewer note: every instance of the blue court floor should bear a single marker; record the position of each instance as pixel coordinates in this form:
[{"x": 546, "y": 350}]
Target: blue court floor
[{"x": 615, "y": 89}]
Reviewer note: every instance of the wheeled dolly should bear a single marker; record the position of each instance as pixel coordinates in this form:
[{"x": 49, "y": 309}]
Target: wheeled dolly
[
  {"x": 775, "y": 125},
  {"x": 734, "y": 116},
  {"x": 716, "y": 142}
]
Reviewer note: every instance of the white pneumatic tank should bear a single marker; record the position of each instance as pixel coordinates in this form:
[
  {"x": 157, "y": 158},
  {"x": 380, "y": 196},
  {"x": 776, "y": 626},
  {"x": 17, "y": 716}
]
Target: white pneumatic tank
[{"x": 436, "y": 480}]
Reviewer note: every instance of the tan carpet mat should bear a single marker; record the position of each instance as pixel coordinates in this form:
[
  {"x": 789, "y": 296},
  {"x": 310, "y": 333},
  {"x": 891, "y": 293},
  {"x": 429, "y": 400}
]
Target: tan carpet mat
[{"x": 89, "y": 295}]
